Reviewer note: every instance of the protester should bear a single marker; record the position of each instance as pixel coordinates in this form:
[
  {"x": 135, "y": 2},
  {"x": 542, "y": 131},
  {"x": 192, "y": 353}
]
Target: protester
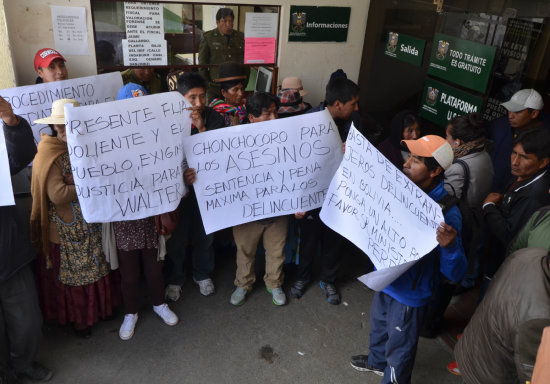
[
  {"x": 73, "y": 273},
  {"x": 397, "y": 313},
  {"x": 403, "y": 126},
  {"x": 292, "y": 103},
  {"x": 21, "y": 320},
  {"x": 193, "y": 87},
  {"x": 341, "y": 100},
  {"x": 524, "y": 113},
  {"x": 506, "y": 214},
  {"x": 261, "y": 106},
  {"x": 470, "y": 178},
  {"x": 291, "y": 93},
  {"x": 146, "y": 77},
  {"x": 500, "y": 343},
  {"x": 50, "y": 66},
  {"x": 137, "y": 242},
  {"x": 220, "y": 45},
  {"x": 231, "y": 105},
  {"x": 541, "y": 372},
  {"x": 535, "y": 233},
  {"x": 466, "y": 136}
]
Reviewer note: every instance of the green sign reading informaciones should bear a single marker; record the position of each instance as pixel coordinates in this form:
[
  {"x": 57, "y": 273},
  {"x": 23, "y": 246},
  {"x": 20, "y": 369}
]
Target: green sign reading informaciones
[
  {"x": 318, "y": 23},
  {"x": 405, "y": 48},
  {"x": 440, "y": 102},
  {"x": 461, "y": 61}
]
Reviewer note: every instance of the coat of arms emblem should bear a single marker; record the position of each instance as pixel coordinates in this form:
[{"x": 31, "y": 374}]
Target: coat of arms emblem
[
  {"x": 442, "y": 48},
  {"x": 431, "y": 98},
  {"x": 298, "y": 21},
  {"x": 392, "y": 41}
]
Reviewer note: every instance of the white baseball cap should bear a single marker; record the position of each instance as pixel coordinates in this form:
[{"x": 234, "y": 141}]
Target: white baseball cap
[{"x": 523, "y": 99}]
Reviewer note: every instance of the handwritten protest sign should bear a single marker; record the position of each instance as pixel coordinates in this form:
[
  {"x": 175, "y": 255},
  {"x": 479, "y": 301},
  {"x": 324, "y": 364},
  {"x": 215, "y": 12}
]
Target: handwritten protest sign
[
  {"x": 34, "y": 102},
  {"x": 255, "y": 171},
  {"x": 6, "y": 192},
  {"x": 380, "y": 210},
  {"x": 127, "y": 156}
]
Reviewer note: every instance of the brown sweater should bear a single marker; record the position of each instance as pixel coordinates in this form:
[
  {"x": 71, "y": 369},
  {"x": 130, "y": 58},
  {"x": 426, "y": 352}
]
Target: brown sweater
[{"x": 61, "y": 195}]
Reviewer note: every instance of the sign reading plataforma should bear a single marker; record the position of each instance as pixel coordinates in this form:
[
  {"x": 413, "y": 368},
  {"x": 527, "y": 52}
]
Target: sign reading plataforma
[
  {"x": 256, "y": 171},
  {"x": 376, "y": 207},
  {"x": 33, "y": 102},
  {"x": 127, "y": 156}
]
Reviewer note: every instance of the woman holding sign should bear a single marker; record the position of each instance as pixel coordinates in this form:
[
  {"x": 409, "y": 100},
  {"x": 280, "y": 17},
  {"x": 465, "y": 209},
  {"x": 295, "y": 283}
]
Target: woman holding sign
[{"x": 74, "y": 281}]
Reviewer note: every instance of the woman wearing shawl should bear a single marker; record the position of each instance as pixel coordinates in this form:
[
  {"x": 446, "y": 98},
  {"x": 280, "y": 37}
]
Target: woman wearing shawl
[
  {"x": 74, "y": 280},
  {"x": 231, "y": 106},
  {"x": 404, "y": 126}
]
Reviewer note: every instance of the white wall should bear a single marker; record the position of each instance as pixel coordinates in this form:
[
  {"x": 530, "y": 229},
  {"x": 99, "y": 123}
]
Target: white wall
[{"x": 30, "y": 28}]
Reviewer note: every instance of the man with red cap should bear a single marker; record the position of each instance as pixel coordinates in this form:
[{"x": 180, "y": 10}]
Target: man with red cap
[{"x": 50, "y": 66}]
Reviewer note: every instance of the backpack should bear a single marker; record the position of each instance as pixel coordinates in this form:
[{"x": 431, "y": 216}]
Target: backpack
[{"x": 472, "y": 219}]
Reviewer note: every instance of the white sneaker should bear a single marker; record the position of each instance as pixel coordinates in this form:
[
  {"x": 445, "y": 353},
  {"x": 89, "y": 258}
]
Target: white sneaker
[
  {"x": 166, "y": 314},
  {"x": 172, "y": 292},
  {"x": 128, "y": 325},
  {"x": 206, "y": 286},
  {"x": 278, "y": 295}
]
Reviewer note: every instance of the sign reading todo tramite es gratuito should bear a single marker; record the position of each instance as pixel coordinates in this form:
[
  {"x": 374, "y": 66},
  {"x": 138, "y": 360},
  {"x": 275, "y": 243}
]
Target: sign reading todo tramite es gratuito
[
  {"x": 462, "y": 62},
  {"x": 256, "y": 171},
  {"x": 127, "y": 156},
  {"x": 379, "y": 209}
]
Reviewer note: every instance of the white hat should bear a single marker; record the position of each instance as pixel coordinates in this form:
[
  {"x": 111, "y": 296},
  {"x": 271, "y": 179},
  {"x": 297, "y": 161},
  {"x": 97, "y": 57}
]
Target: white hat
[
  {"x": 523, "y": 99},
  {"x": 58, "y": 112}
]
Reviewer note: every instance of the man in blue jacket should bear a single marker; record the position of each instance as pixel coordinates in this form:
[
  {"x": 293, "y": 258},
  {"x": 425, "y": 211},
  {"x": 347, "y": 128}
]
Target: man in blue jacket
[{"x": 398, "y": 311}]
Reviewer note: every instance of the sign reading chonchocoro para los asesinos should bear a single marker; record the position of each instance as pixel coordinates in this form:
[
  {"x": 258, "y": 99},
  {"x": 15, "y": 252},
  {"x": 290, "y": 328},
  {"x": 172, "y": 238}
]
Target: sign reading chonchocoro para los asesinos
[
  {"x": 462, "y": 62},
  {"x": 440, "y": 102},
  {"x": 318, "y": 23},
  {"x": 405, "y": 48}
]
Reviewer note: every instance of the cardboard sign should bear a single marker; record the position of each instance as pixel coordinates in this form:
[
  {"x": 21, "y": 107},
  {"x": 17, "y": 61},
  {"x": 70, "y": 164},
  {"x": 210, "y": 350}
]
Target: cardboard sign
[
  {"x": 376, "y": 207},
  {"x": 256, "y": 171},
  {"x": 33, "y": 102},
  {"x": 127, "y": 156}
]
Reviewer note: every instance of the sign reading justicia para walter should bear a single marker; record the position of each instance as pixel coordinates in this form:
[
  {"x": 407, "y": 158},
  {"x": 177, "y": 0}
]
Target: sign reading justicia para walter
[
  {"x": 405, "y": 48},
  {"x": 440, "y": 102},
  {"x": 462, "y": 62},
  {"x": 318, "y": 23}
]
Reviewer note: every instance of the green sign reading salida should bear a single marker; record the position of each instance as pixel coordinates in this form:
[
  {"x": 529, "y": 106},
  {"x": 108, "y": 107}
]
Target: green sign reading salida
[
  {"x": 440, "y": 102},
  {"x": 405, "y": 48},
  {"x": 318, "y": 23},
  {"x": 461, "y": 61}
]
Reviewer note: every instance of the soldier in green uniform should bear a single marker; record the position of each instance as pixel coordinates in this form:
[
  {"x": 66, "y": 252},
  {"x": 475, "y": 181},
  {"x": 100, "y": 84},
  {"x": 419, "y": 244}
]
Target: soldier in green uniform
[{"x": 218, "y": 46}]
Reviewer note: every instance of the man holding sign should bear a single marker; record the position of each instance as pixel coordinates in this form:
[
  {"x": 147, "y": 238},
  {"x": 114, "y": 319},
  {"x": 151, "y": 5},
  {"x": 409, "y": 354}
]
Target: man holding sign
[
  {"x": 193, "y": 87},
  {"x": 398, "y": 311},
  {"x": 261, "y": 106}
]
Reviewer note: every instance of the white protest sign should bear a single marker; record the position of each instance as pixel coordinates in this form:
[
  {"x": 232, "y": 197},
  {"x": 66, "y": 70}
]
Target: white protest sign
[
  {"x": 127, "y": 157},
  {"x": 255, "y": 171},
  {"x": 6, "y": 192},
  {"x": 34, "y": 102},
  {"x": 379, "y": 209}
]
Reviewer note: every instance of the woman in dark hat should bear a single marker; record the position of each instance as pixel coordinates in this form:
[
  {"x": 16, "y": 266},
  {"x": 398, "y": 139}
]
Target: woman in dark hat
[{"x": 231, "y": 105}]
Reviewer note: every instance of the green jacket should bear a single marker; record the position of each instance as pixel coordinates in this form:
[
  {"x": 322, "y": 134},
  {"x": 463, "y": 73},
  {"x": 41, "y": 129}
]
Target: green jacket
[
  {"x": 536, "y": 233},
  {"x": 214, "y": 49},
  {"x": 153, "y": 86}
]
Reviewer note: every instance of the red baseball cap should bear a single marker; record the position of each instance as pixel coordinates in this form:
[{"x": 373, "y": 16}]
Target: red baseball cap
[{"x": 45, "y": 56}]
